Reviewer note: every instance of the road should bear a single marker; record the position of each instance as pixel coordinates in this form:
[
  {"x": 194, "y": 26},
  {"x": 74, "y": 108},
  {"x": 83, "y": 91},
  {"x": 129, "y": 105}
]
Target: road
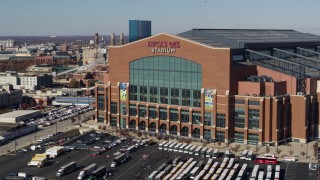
[{"x": 43, "y": 132}]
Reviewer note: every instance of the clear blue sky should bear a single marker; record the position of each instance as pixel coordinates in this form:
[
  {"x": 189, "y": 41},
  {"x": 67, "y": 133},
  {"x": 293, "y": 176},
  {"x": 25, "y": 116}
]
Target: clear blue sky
[{"x": 85, "y": 17}]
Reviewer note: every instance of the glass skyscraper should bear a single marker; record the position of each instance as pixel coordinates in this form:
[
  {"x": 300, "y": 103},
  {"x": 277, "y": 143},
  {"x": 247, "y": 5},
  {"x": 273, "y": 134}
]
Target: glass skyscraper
[{"x": 139, "y": 29}]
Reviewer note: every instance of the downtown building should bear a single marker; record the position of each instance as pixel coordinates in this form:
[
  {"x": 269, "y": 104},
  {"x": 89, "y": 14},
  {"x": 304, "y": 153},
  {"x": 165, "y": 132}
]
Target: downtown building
[{"x": 248, "y": 86}]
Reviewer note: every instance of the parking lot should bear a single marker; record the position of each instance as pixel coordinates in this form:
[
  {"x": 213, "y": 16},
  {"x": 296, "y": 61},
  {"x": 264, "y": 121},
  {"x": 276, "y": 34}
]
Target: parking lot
[{"x": 143, "y": 162}]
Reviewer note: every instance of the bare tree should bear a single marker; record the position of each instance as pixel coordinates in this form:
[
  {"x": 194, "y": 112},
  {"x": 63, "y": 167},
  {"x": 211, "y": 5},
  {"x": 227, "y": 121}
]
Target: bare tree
[
  {"x": 166, "y": 138},
  {"x": 73, "y": 120},
  {"x": 247, "y": 147},
  {"x": 257, "y": 149},
  {"x": 291, "y": 152},
  {"x": 139, "y": 134},
  {"x": 278, "y": 151},
  {"x": 267, "y": 149},
  {"x": 302, "y": 154},
  {"x": 315, "y": 149},
  {"x": 104, "y": 128}
]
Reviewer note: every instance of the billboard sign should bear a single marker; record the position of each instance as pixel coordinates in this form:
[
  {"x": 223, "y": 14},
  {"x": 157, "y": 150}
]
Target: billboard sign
[
  {"x": 123, "y": 91},
  {"x": 208, "y": 99}
]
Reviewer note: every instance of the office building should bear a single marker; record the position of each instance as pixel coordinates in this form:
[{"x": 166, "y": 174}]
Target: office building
[{"x": 139, "y": 29}]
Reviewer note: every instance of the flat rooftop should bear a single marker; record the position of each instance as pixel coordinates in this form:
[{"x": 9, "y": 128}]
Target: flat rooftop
[{"x": 17, "y": 113}]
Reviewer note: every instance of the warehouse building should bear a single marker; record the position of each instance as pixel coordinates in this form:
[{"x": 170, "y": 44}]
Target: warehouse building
[
  {"x": 19, "y": 116},
  {"x": 252, "y": 86}
]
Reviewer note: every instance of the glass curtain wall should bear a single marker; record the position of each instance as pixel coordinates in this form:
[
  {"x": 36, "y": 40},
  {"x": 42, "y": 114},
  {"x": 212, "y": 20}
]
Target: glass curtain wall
[{"x": 166, "y": 80}]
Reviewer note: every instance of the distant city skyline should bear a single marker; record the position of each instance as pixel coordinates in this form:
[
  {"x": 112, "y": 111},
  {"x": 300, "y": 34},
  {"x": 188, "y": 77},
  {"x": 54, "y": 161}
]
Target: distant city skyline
[{"x": 80, "y": 17}]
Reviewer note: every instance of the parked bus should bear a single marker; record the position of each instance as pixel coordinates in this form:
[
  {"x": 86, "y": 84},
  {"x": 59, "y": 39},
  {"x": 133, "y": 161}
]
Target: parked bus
[
  {"x": 210, "y": 161},
  {"x": 254, "y": 173},
  {"x": 160, "y": 175},
  {"x": 215, "y": 164},
  {"x": 197, "y": 151},
  {"x": 225, "y": 172},
  {"x": 192, "y": 148},
  {"x": 219, "y": 171},
  {"x": 131, "y": 149},
  {"x": 152, "y": 175},
  {"x": 215, "y": 177},
  {"x": 171, "y": 146},
  {"x": 194, "y": 172},
  {"x": 207, "y": 176},
  {"x": 227, "y": 154},
  {"x": 176, "y": 147},
  {"x": 168, "y": 168},
  {"x": 269, "y": 175},
  {"x": 98, "y": 173},
  {"x": 203, "y": 151},
  {"x": 222, "y": 177},
  {"x": 249, "y": 156},
  {"x": 200, "y": 175},
  {"x": 266, "y": 160},
  {"x": 261, "y": 174},
  {"x": 166, "y": 145},
  {"x": 209, "y": 152},
  {"x": 241, "y": 174},
  {"x": 200, "y": 164},
  {"x": 235, "y": 167},
  {"x": 244, "y": 154},
  {"x": 277, "y": 168},
  {"x": 277, "y": 175},
  {"x": 162, "y": 144},
  {"x": 66, "y": 169},
  {"x": 231, "y": 175},
  {"x": 161, "y": 167},
  {"x": 176, "y": 160},
  {"x": 215, "y": 154},
  {"x": 244, "y": 167},
  {"x": 186, "y": 149},
  {"x": 181, "y": 148}
]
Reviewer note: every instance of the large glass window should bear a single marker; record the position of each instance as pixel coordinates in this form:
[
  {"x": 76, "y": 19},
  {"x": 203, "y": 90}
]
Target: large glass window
[
  {"x": 238, "y": 137},
  {"x": 133, "y": 110},
  {"x": 208, "y": 118},
  {"x": 114, "y": 108},
  {"x": 142, "y": 111},
  {"x": 123, "y": 107},
  {"x": 164, "y": 95},
  {"x": 163, "y": 113},
  {"x": 143, "y": 93},
  {"x": 253, "y": 138},
  {"x": 175, "y": 96},
  {"x": 133, "y": 93},
  {"x": 207, "y": 134},
  {"x": 184, "y": 116},
  {"x": 169, "y": 80},
  {"x": 239, "y": 117},
  {"x": 173, "y": 115},
  {"x": 153, "y": 94},
  {"x": 100, "y": 102},
  {"x": 221, "y": 120},
  {"x": 196, "y": 117},
  {"x": 254, "y": 118},
  {"x": 220, "y": 136},
  {"x": 152, "y": 112},
  {"x": 100, "y": 118},
  {"x": 113, "y": 122}
]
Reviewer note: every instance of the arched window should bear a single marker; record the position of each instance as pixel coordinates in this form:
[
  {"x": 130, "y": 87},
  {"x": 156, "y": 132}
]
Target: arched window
[{"x": 166, "y": 80}]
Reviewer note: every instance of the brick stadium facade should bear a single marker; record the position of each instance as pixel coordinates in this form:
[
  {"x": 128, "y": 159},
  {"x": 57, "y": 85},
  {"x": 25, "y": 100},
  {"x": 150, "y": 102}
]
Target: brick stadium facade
[{"x": 179, "y": 85}]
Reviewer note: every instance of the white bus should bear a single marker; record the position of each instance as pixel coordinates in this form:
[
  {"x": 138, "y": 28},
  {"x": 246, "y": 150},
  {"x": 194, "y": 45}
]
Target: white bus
[
  {"x": 176, "y": 147},
  {"x": 235, "y": 167},
  {"x": 241, "y": 174},
  {"x": 269, "y": 176},
  {"x": 203, "y": 151},
  {"x": 277, "y": 175},
  {"x": 207, "y": 177},
  {"x": 227, "y": 154},
  {"x": 206, "y": 167},
  {"x": 231, "y": 174},
  {"x": 215, "y": 154},
  {"x": 222, "y": 177},
  {"x": 249, "y": 156},
  {"x": 162, "y": 144},
  {"x": 225, "y": 172},
  {"x": 192, "y": 148},
  {"x": 261, "y": 174},
  {"x": 244, "y": 167},
  {"x": 200, "y": 175},
  {"x": 171, "y": 146},
  {"x": 181, "y": 148},
  {"x": 194, "y": 172},
  {"x": 152, "y": 175},
  {"x": 215, "y": 164},
  {"x": 225, "y": 160},
  {"x": 210, "y": 161},
  {"x": 197, "y": 151},
  {"x": 186, "y": 149},
  {"x": 176, "y": 161},
  {"x": 229, "y": 166},
  {"x": 215, "y": 177},
  {"x": 244, "y": 154},
  {"x": 277, "y": 168},
  {"x": 209, "y": 152},
  {"x": 212, "y": 170},
  {"x": 219, "y": 171},
  {"x": 160, "y": 175},
  {"x": 165, "y": 146},
  {"x": 223, "y": 165}
]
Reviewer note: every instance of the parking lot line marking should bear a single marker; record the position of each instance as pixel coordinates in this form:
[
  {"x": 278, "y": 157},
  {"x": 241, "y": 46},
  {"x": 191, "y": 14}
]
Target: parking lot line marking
[{"x": 134, "y": 165}]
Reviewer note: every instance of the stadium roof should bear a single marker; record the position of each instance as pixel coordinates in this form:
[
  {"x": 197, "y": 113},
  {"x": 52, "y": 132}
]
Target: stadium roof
[{"x": 241, "y": 38}]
